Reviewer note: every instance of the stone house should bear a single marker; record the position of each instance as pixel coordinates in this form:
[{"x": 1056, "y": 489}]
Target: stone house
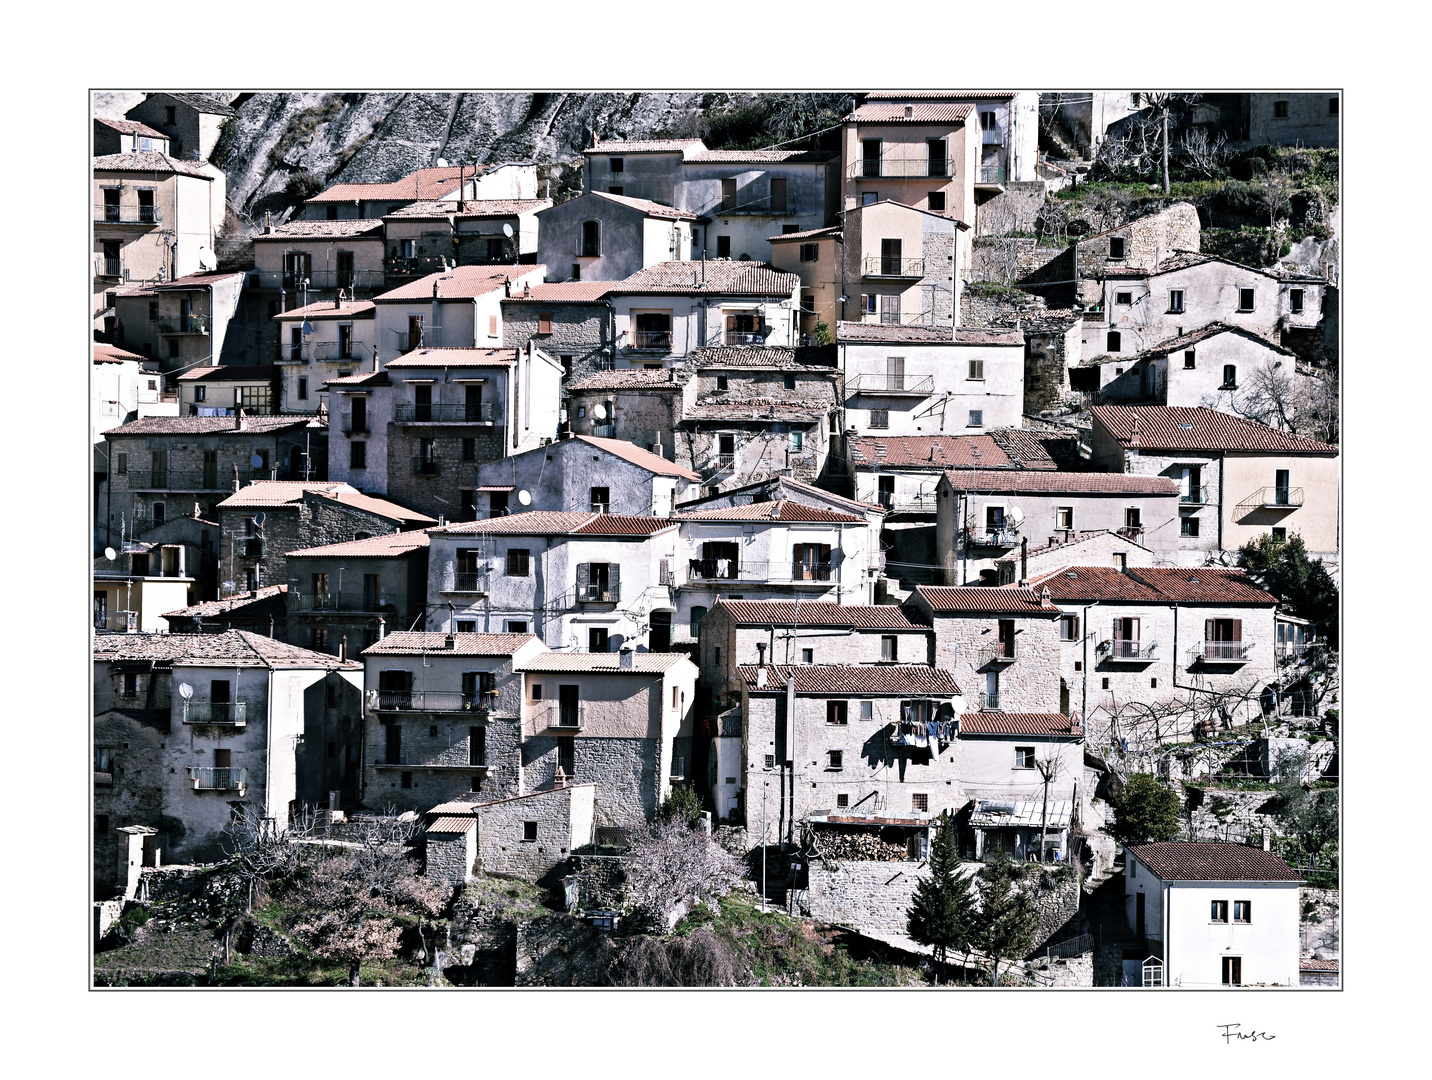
[
  {"x": 817, "y": 257},
  {"x": 341, "y": 340},
  {"x": 900, "y": 265},
  {"x": 447, "y": 183},
  {"x": 1098, "y": 547},
  {"x": 127, "y": 137},
  {"x": 526, "y": 836},
  {"x": 296, "y": 515},
  {"x": 155, "y": 218},
  {"x": 1213, "y": 915},
  {"x": 638, "y": 168},
  {"x": 199, "y": 537},
  {"x": 443, "y": 717},
  {"x": 160, "y": 467},
  {"x": 1084, "y": 116},
  {"x": 1000, "y": 644},
  {"x": 622, "y": 721},
  {"x": 352, "y": 592},
  {"x": 223, "y": 389},
  {"x": 361, "y": 413},
  {"x": 133, "y": 590},
  {"x": 192, "y": 122},
  {"x": 822, "y": 739},
  {"x": 943, "y": 380},
  {"x": 330, "y": 256},
  {"x": 638, "y": 405},
  {"x": 1008, "y": 125},
  {"x": 771, "y": 551},
  {"x": 257, "y": 718},
  {"x": 1000, "y": 755},
  {"x": 571, "y": 322},
  {"x": 1294, "y": 119},
  {"x": 436, "y": 234},
  {"x": 479, "y": 230},
  {"x": 602, "y": 236},
  {"x": 1237, "y": 479},
  {"x": 669, "y": 309},
  {"x": 921, "y": 153},
  {"x": 459, "y": 308},
  {"x": 263, "y": 612},
  {"x": 1134, "y": 642},
  {"x": 583, "y": 472},
  {"x": 122, "y": 385},
  {"x": 449, "y": 410},
  {"x": 578, "y": 579},
  {"x": 982, "y": 514},
  {"x": 182, "y": 323}
]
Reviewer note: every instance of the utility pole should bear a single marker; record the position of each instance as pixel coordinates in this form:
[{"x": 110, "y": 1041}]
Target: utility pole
[
  {"x": 1048, "y": 770},
  {"x": 765, "y": 790}
]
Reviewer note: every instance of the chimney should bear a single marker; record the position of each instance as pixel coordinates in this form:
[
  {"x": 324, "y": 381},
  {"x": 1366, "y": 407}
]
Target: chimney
[
  {"x": 1044, "y": 600},
  {"x": 236, "y": 479},
  {"x": 761, "y": 677},
  {"x": 268, "y": 223},
  {"x": 437, "y": 288},
  {"x": 559, "y": 780},
  {"x": 450, "y": 642},
  {"x": 1267, "y": 838},
  {"x": 196, "y": 510},
  {"x": 382, "y": 628},
  {"x": 1024, "y": 560},
  {"x": 342, "y": 648},
  {"x": 1134, "y": 438},
  {"x": 507, "y": 287},
  {"x": 761, "y": 653},
  {"x": 238, "y": 419},
  {"x": 338, "y": 299},
  {"x": 625, "y": 658}
]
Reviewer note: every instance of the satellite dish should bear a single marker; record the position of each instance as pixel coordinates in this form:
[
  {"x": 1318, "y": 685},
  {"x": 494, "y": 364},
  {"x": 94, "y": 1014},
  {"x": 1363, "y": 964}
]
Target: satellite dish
[
  {"x": 111, "y": 554},
  {"x": 442, "y": 163},
  {"x": 207, "y": 261},
  {"x": 507, "y": 230},
  {"x": 1017, "y": 516},
  {"x": 524, "y": 497},
  {"x": 599, "y": 411},
  {"x": 186, "y": 691},
  {"x": 256, "y": 461},
  {"x": 260, "y": 518},
  {"x": 306, "y": 328}
]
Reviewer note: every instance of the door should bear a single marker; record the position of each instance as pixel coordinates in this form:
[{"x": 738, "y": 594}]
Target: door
[
  {"x": 1222, "y": 638},
  {"x": 359, "y": 405},
  {"x": 991, "y": 690},
  {"x": 222, "y": 762},
  {"x": 1006, "y": 638},
  {"x": 660, "y": 639},
  {"x": 720, "y": 559},
  {"x": 1140, "y": 926},
  {"x": 371, "y": 592},
  {"x": 1280, "y": 487},
  {"x": 1190, "y": 484},
  {"x": 895, "y": 371},
  {"x": 395, "y": 689},
  {"x": 890, "y": 256},
  {"x": 936, "y": 149},
  {"x": 567, "y": 710},
  {"x": 211, "y": 469},
  {"x": 597, "y": 637},
  {"x": 296, "y": 269},
  {"x": 870, "y": 157},
  {"x": 345, "y": 270},
  {"x": 727, "y": 449},
  {"x": 101, "y": 610},
  {"x": 219, "y": 704},
  {"x": 1232, "y": 971},
  {"x": 778, "y": 195},
  {"x": 728, "y": 194},
  {"x": 472, "y": 399},
  {"x": 415, "y": 333},
  {"x": 422, "y": 403},
  {"x": 887, "y": 491},
  {"x": 393, "y": 751},
  {"x": 890, "y": 309},
  {"x": 477, "y": 746},
  {"x": 345, "y": 341}
]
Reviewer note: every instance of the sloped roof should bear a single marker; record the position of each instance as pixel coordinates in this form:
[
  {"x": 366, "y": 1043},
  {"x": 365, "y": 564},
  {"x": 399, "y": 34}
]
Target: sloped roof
[
  {"x": 1169, "y": 427},
  {"x": 808, "y": 234},
  {"x": 646, "y": 146},
  {"x": 203, "y": 279},
  {"x": 230, "y": 373},
  {"x": 562, "y": 523},
  {"x": 1028, "y": 448},
  {"x": 937, "y": 95},
  {"x": 1181, "y": 860},
  {"x": 208, "y": 425},
  {"x": 347, "y": 228},
  {"x": 469, "y": 208},
  {"x": 785, "y": 157},
  {"x": 893, "y": 112},
  {"x": 937, "y": 452},
  {"x": 363, "y": 378},
  {"x": 635, "y": 455},
  {"x": 458, "y": 283},
  {"x": 362, "y": 309},
  {"x": 113, "y": 354},
  {"x": 1203, "y": 333},
  {"x": 646, "y": 206},
  {"x": 563, "y": 292},
  {"x": 452, "y": 356},
  {"x": 1003, "y": 723},
  {"x": 233, "y": 648},
  {"x": 724, "y": 276},
  {"x": 1061, "y": 483},
  {"x": 779, "y": 510},
  {"x": 130, "y": 127},
  {"x": 148, "y": 161},
  {"x": 823, "y": 357},
  {"x": 816, "y": 613},
  {"x": 1095, "y": 583},
  {"x": 854, "y": 678},
  {"x": 861, "y": 332},
  {"x": 409, "y": 642},
  {"x": 417, "y": 186},
  {"x": 642, "y": 663},
  {"x": 277, "y": 494},
  {"x": 383, "y": 545},
  {"x": 759, "y": 410},
  {"x": 268, "y": 602},
  {"x": 202, "y": 102},
  {"x": 984, "y": 600},
  {"x": 1204, "y": 585},
  {"x": 627, "y": 379},
  {"x": 1079, "y": 537}
]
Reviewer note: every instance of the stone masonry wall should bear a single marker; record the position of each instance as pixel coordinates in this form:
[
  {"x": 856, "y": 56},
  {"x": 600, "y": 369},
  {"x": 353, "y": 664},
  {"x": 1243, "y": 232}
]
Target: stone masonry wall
[
  {"x": 625, "y": 771},
  {"x": 500, "y": 832},
  {"x": 1030, "y": 684},
  {"x": 317, "y": 521},
  {"x": 449, "y": 750},
  {"x": 440, "y": 494},
  {"x": 1016, "y": 208},
  {"x": 134, "y": 795},
  {"x": 449, "y": 857},
  {"x": 578, "y": 330}
]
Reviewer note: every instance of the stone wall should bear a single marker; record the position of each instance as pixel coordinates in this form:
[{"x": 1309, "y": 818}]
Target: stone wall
[
  {"x": 449, "y": 750},
  {"x": 317, "y": 521},
  {"x": 599, "y": 879},
  {"x": 581, "y": 331},
  {"x": 502, "y": 848},
  {"x": 134, "y": 794},
  {"x": 1015, "y": 209},
  {"x": 449, "y": 856},
  {"x": 626, "y": 773},
  {"x": 439, "y": 494}
]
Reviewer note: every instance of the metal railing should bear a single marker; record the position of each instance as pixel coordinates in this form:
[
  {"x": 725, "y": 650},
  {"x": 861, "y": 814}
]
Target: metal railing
[
  {"x": 991, "y": 702},
  {"x": 126, "y": 622},
  {"x": 725, "y": 461},
  {"x": 350, "y": 428},
  {"x": 714, "y": 569},
  {"x": 193, "y": 324},
  {"x": 321, "y": 602},
  {"x": 114, "y": 213},
  {"x": 470, "y": 581},
  {"x": 225, "y": 713},
  {"x": 604, "y": 431},
  {"x": 1001, "y": 652},
  {"x": 1273, "y": 497},
  {"x": 1196, "y": 495},
  {"x": 107, "y": 268},
  {"x": 804, "y": 571},
  {"x": 884, "y": 266},
  {"x": 218, "y": 779},
  {"x": 884, "y": 383},
  {"x": 435, "y": 701},
  {"x": 551, "y": 716},
  {"x": 416, "y": 759},
  {"x": 318, "y": 280},
  {"x": 651, "y": 339},
  {"x": 599, "y": 594},
  {"x": 901, "y": 168},
  {"x": 332, "y": 351},
  {"x": 1125, "y": 649},
  {"x": 1221, "y": 651},
  {"x": 991, "y": 174},
  {"x": 425, "y": 466},
  {"x": 404, "y": 265},
  {"x": 1289, "y": 652},
  {"x": 745, "y": 337},
  {"x": 445, "y": 413},
  {"x": 993, "y": 537}
]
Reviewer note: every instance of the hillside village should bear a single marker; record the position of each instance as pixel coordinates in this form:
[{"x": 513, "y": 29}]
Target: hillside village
[{"x": 945, "y": 501}]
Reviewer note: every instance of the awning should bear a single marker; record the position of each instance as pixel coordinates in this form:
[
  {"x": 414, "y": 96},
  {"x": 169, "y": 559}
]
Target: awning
[
  {"x": 456, "y": 825},
  {"x": 1009, "y": 814}
]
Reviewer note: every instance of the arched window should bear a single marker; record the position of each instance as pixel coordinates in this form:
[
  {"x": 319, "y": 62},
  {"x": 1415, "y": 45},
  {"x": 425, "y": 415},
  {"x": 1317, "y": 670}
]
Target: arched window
[
  {"x": 696, "y": 615},
  {"x": 1113, "y": 341},
  {"x": 591, "y": 238}
]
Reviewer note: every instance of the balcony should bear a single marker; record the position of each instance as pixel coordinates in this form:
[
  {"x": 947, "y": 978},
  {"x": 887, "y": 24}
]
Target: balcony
[
  {"x": 329, "y": 603},
  {"x": 1298, "y": 652},
  {"x": 107, "y": 268},
  {"x": 550, "y": 717},
  {"x": 714, "y": 569},
  {"x": 1220, "y": 652},
  {"x": 882, "y": 266},
  {"x": 753, "y": 202},
  {"x": 604, "y": 431},
  {"x": 894, "y": 385},
  {"x": 350, "y": 427},
  {"x": 806, "y": 571},
  {"x": 1196, "y": 495},
  {"x": 903, "y": 168},
  {"x": 469, "y": 581},
  {"x": 418, "y": 760},
  {"x": 328, "y": 352},
  {"x": 990, "y": 176},
  {"x": 318, "y": 280},
  {"x": 652, "y": 340},
  {"x": 1000, "y": 538},
  {"x": 115, "y": 214},
  {"x": 1000, "y": 652},
  {"x": 455, "y": 701},
  {"x": 425, "y": 466},
  {"x": 253, "y": 547},
  {"x": 1271, "y": 498},
  {"x": 219, "y": 713},
  {"x": 922, "y": 503},
  {"x": 597, "y": 593},
  {"x": 193, "y": 324},
  {"x": 413, "y": 266},
  {"x": 123, "y": 622},
  {"x": 742, "y": 337},
  {"x": 990, "y": 702},
  {"x": 1129, "y": 650},
  {"x": 445, "y": 413},
  {"x": 211, "y": 779},
  {"x": 700, "y": 571}
]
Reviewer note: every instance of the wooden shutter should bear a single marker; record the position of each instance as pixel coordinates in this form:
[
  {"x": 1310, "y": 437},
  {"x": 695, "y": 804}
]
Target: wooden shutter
[
  {"x": 544, "y": 322},
  {"x": 731, "y": 323},
  {"x": 1238, "y": 630},
  {"x": 1118, "y": 629},
  {"x": 1208, "y": 629},
  {"x": 614, "y": 578},
  {"x": 1134, "y": 630},
  {"x": 664, "y": 572},
  {"x": 584, "y": 576}
]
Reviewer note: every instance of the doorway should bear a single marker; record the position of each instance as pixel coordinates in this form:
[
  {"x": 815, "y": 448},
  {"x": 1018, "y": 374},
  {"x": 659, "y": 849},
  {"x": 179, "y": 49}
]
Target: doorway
[
  {"x": 1233, "y": 971},
  {"x": 1140, "y": 925},
  {"x": 660, "y": 638}
]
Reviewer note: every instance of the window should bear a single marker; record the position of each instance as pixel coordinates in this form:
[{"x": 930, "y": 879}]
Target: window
[
  {"x": 1105, "y": 685},
  {"x": 1064, "y": 517},
  {"x": 788, "y": 382},
  {"x": 518, "y": 562},
  {"x": 1243, "y": 911},
  {"x": 728, "y": 194},
  {"x": 1189, "y": 360},
  {"x": 1113, "y": 341},
  {"x": 591, "y": 239},
  {"x": 778, "y": 195},
  {"x": 890, "y": 309},
  {"x": 1230, "y": 377},
  {"x": 576, "y": 271},
  {"x": 1295, "y": 301},
  {"x": 797, "y": 442},
  {"x": 617, "y": 164},
  {"x": 879, "y": 418},
  {"x": 869, "y": 198},
  {"x": 529, "y": 832},
  {"x": 544, "y": 322},
  {"x": 320, "y": 640},
  {"x": 121, "y": 464},
  {"x": 567, "y": 754},
  {"x": 835, "y": 712},
  {"x": 131, "y": 684},
  {"x": 889, "y": 647},
  {"x": 256, "y": 399},
  {"x": 1188, "y": 526},
  {"x": 920, "y": 802},
  {"x": 1280, "y": 532},
  {"x": 807, "y": 656},
  {"x": 834, "y": 759},
  {"x": 469, "y": 450},
  {"x": 696, "y": 613},
  {"x": 358, "y": 455},
  {"x": 302, "y": 388},
  {"x": 1280, "y": 110},
  {"x": 467, "y": 626},
  {"x": 977, "y": 370},
  {"x": 1218, "y": 911},
  {"x": 598, "y": 639},
  {"x": 1124, "y": 298},
  {"x": 517, "y": 626},
  {"x": 976, "y": 418},
  {"x": 101, "y": 824},
  {"x": 601, "y": 499},
  {"x": 842, "y": 801},
  {"x": 810, "y": 252},
  {"x": 1069, "y": 628},
  {"x": 807, "y": 301},
  {"x": 1116, "y": 247},
  {"x": 723, "y": 247},
  {"x": 867, "y": 303},
  {"x": 723, "y": 382},
  {"x": 936, "y": 202},
  {"x": 173, "y": 348},
  {"x": 867, "y": 710},
  {"x": 1245, "y": 299},
  {"x": 1175, "y": 301},
  {"x": 1332, "y": 106},
  {"x": 158, "y": 518}
]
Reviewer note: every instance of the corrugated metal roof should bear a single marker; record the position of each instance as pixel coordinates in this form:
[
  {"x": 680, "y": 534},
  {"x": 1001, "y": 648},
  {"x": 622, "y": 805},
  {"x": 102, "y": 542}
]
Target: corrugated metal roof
[
  {"x": 1180, "y": 860},
  {"x": 984, "y": 600},
  {"x": 842, "y": 679},
  {"x": 458, "y": 825},
  {"x": 1026, "y": 815}
]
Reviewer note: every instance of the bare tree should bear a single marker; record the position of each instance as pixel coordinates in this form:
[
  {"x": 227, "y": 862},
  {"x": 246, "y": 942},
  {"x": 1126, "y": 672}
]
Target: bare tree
[
  {"x": 1000, "y": 249},
  {"x": 1054, "y": 220},
  {"x": 671, "y": 861},
  {"x": 1274, "y": 196},
  {"x": 1202, "y": 153}
]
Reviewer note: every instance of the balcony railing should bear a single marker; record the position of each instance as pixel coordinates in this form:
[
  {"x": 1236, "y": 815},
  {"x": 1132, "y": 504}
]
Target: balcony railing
[
  {"x": 124, "y": 622},
  {"x": 911, "y": 168},
  {"x": 1273, "y": 498},
  {"x": 1197, "y": 495},
  {"x": 223, "y": 713},
  {"x": 193, "y": 324},
  {"x": 1221, "y": 652},
  {"x": 417, "y": 759},
  {"x": 115, "y": 214},
  {"x": 651, "y": 339},
  {"x": 1000, "y": 652},
  {"x": 332, "y": 602},
  {"x": 1292, "y": 652},
  {"x": 991, "y": 174},
  {"x": 595, "y": 593},
  {"x": 883, "y": 266},
  {"x": 470, "y": 581},
  {"x": 604, "y": 431},
  {"x": 714, "y": 569},
  {"x": 331, "y": 352},
  {"x": 747, "y": 570},
  {"x": 425, "y": 466},
  {"x": 924, "y": 502},
  {"x": 744, "y": 337},
  {"x": 551, "y": 716},
  {"x": 991, "y": 702},
  {"x": 804, "y": 571},
  {"x": 445, "y": 413},
  {"x": 350, "y": 427},
  {"x": 217, "y": 779},
  {"x": 883, "y": 383},
  {"x": 406, "y": 265},
  {"x": 993, "y": 537},
  {"x": 1126, "y": 649},
  {"x": 318, "y": 280},
  {"x": 107, "y": 268},
  {"x": 435, "y": 701},
  {"x": 725, "y": 461}
]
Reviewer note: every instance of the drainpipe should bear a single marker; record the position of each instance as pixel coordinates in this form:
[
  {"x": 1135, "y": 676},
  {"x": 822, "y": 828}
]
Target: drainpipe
[
  {"x": 791, "y": 750},
  {"x": 1084, "y": 638}
]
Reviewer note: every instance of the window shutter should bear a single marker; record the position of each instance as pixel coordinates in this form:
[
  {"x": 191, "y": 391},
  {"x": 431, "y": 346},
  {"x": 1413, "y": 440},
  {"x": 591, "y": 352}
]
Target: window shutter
[
  {"x": 1208, "y": 631},
  {"x": 1238, "y": 630},
  {"x": 731, "y": 322},
  {"x": 1118, "y": 629},
  {"x": 1134, "y": 629},
  {"x": 664, "y": 572},
  {"x": 584, "y": 575},
  {"x": 614, "y": 577}
]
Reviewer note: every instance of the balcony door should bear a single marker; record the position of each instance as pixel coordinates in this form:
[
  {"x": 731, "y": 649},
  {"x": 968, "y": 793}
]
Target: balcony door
[
  {"x": 937, "y": 159},
  {"x": 219, "y": 703},
  {"x": 345, "y": 270},
  {"x": 415, "y": 333},
  {"x": 890, "y": 256},
  {"x": 1222, "y": 638},
  {"x": 887, "y": 491},
  {"x": 223, "y": 762},
  {"x": 1232, "y": 971},
  {"x": 567, "y": 708},
  {"x": 720, "y": 559},
  {"x": 297, "y": 269},
  {"x": 870, "y": 157},
  {"x": 472, "y": 399},
  {"x": 395, "y": 689},
  {"x": 393, "y": 750},
  {"x": 811, "y": 562},
  {"x": 895, "y": 369},
  {"x": 1190, "y": 482},
  {"x": 660, "y": 638},
  {"x": 422, "y": 402}
]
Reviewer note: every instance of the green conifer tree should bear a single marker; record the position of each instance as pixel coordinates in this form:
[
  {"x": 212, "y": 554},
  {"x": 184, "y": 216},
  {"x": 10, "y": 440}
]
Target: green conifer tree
[
  {"x": 1007, "y": 922},
  {"x": 941, "y": 912}
]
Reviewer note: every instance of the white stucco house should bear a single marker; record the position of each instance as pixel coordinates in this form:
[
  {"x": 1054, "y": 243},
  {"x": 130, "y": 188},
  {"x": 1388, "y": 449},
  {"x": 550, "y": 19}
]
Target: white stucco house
[{"x": 1213, "y": 914}]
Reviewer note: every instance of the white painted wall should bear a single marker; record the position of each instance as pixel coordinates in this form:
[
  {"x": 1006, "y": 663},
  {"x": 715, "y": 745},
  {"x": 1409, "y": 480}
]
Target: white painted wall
[{"x": 943, "y": 405}]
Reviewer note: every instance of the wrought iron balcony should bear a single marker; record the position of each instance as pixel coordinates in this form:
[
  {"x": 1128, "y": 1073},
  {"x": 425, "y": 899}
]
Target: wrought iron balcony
[
  {"x": 906, "y": 168},
  {"x": 409, "y": 265},
  {"x": 218, "y": 779},
  {"x": 1296, "y": 652},
  {"x": 805, "y": 571},
  {"x": 991, "y": 702},
  {"x": 550, "y": 716},
  {"x": 417, "y": 759},
  {"x": 885, "y": 383},
  {"x": 321, "y": 603},
  {"x": 470, "y": 581},
  {"x": 742, "y": 337},
  {"x": 993, "y": 537},
  {"x": 596, "y": 593},
  {"x": 1196, "y": 495},
  {"x": 1000, "y": 652},
  {"x": 1272, "y": 498},
  {"x": 478, "y": 702},
  {"x": 124, "y": 622},
  {"x": 990, "y": 175},
  {"x": 884, "y": 266},
  {"x": 1221, "y": 652},
  {"x": 221, "y": 713},
  {"x": 115, "y": 214},
  {"x": 425, "y": 466},
  {"x": 349, "y": 427},
  {"x": 714, "y": 569},
  {"x": 107, "y": 268},
  {"x": 1129, "y": 649},
  {"x": 651, "y": 339},
  {"x": 445, "y": 413}
]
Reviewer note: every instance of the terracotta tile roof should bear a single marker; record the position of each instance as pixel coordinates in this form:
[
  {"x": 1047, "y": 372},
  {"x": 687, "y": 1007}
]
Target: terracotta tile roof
[
  {"x": 646, "y": 206},
  {"x": 816, "y": 613},
  {"x": 205, "y": 103},
  {"x": 1182, "y": 260},
  {"x": 1095, "y": 583},
  {"x": 202, "y": 280},
  {"x": 424, "y": 184},
  {"x": 1183, "y": 341},
  {"x": 627, "y": 379},
  {"x": 471, "y": 208},
  {"x": 454, "y": 356},
  {"x": 937, "y": 452},
  {"x": 643, "y": 663},
  {"x": 759, "y": 411},
  {"x": 724, "y": 276},
  {"x": 766, "y": 356},
  {"x": 808, "y": 234},
  {"x": 113, "y": 354},
  {"x": 838, "y": 679},
  {"x": 1061, "y": 483},
  {"x": 1168, "y": 427},
  {"x": 646, "y": 146},
  {"x": 382, "y": 507},
  {"x": 984, "y": 600},
  {"x": 635, "y": 455},
  {"x": 563, "y": 292},
  {"x": 278, "y": 494},
  {"x": 149, "y": 161},
  {"x": 363, "y": 378},
  {"x": 230, "y": 373},
  {"x": 1028, "y": 448},
  {"x": 1181, "y": 860},
  {"x": 363, "y": 309},
  {"x": 271, "y": 600},
  {"x": 1079, "y": 537},
  {"x": 1203, "y": 585},
  {"x": 561, "y": 523},
  {"x": 459, "y": 283},
  {"x": 859, "y": 332},
  {"x": 347, "y": 228},
  {"x": 234, "y": 648},
  {"x": 209, "y": 425},
  {"x": 780, "y": 510},
  {"x": 787, "y": 157},
  {"x": 893, "y": 112},
  {"x": 937, "y": 95},
  {"x": 131, "y": 127},
  {"x": 1317, "y": 965},
  {"x": 384, "y": 545},
  {"x": 410, "y": 642},
  {"x": 1003, "y": 723}
]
